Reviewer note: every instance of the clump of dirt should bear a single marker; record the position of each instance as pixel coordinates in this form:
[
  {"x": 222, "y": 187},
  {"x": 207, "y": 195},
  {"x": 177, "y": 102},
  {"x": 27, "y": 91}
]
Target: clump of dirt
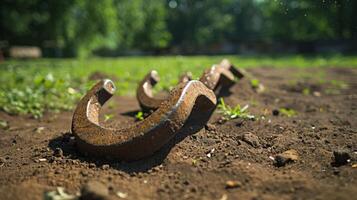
[{"x": 233, "y": 159}]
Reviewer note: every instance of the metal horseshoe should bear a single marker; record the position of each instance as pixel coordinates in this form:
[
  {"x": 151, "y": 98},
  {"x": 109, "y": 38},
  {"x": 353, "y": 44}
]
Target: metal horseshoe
[
  {"x": 144, "y": 93},
  {"x": 239, "y": 73},
  {"x": 217, "y": 77},
  {"x": 142, "y": 138}
]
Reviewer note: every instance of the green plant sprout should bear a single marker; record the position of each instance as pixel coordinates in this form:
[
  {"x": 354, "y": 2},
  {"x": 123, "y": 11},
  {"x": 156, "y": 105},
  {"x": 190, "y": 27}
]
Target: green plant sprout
[
  {"x": 254, "y": 83},
  {"x": 139, "y": 116},
  {"x": 233, "y": 113},
  {"x": 339, "y": 84},
  {"x": 108, "y": 117},
  {"x": 287, "y": 112},
  {"x": 306, "y": 91},
  {"x": 4, "y": 124}
]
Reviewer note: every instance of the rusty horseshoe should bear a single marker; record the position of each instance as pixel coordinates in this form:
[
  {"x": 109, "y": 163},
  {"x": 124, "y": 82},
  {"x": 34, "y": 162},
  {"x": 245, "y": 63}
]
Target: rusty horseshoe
[
  {"x": 144, "y": 93},
  {"x": 239, "y": 73},
  {"x": 142, "y": 138},
  {"x": 217, "y": 77}
]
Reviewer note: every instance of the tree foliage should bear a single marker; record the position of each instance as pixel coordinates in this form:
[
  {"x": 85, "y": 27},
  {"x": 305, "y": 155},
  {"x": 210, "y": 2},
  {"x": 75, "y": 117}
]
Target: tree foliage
[{"x": 80, "y": 26}]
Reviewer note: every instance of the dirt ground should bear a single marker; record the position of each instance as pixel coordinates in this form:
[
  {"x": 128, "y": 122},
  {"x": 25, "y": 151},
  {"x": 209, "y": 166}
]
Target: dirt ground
[{"x": 242, "y": 152}]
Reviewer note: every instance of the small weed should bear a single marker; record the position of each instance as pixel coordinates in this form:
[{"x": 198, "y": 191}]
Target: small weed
[
  {"x": 108, "y": 117},
  {"x": 306, "y": 91},
  {"x": 35, "y": 95},
  {"x": 4, "y": 124},
  {"x": 287, "y": 112},
  {"x": 194, "y": 162},
  {"x": 236, "y": 112},
  {"x": 139, "y": 116},
  {"x": 339, "y": 84},
  {"x": 254, "y": 83}
]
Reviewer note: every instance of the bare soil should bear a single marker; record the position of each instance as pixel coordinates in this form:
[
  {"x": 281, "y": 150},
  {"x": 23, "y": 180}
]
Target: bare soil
[{"x": 198, "y": 165}]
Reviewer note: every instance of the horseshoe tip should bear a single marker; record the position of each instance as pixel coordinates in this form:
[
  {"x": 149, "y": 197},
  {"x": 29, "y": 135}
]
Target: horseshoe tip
[
  {"x": 154, "y": 75},
  {"x": 109, "y": 86},
  {"x": 208, "y": 93}
]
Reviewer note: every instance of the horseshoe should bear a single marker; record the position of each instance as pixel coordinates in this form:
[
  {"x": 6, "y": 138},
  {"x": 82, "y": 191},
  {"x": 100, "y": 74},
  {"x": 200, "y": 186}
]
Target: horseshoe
[
  {"x": 144, "y": 93},
  {"x": 186, "y": 77},
  {"x": 142, "y": 138},
  {"x": 235, "y": 71},
  {"x": 217, "y": 77}
]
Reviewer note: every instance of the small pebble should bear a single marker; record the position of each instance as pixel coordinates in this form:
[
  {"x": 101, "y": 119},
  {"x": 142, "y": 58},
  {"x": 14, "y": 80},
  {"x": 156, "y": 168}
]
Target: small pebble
[
  {"x": 251, "y": 139},
  {"x": 92, "y": 165},
  {"x": 94, "y": 190},
  {"x": 122, "y": 195},
  {"x": 105, "y": 167},
  {"x": 210, "y": 127},
  {"x": 341, "y": 157},
  {"x": 209, "y": 154},
  {"x": 286, "y": 157},
  {"x": 316, "y": 94},
  {"x": 275, "y": 112},
  {"x": 233, "y": 184},
  {"x": 224, "y": 197},
  {"x": 58, "y": 152},
  {"x": 39, "y": 129}
]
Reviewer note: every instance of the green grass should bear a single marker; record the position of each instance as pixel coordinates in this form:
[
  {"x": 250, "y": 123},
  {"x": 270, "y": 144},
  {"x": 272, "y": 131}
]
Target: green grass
[
  {"x": 35, "y": 86},
  {"x": 235, "y": 112},
  {"x": 288, "y": 112}
]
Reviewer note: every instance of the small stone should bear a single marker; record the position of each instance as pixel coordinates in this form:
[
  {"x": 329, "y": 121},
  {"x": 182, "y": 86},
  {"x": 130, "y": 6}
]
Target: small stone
[
  {"x": 42, "y": 159},
  {"x": 210, "y": 127},
  {"x": 239, "y": 122},
  {"x": 275, "y": 112},
  {"x": 341, "y": 157},
  {"x": 94, "y": 190},
  {"x": 251, "y": 139},
  {"x": 221, "y": 120},
  {"x": 39, "y": 129},
  {"x": 233, "y": 184},
  {"x": 122, "y": 195},
  {"x": 105, "y": 167},
  {"x": 286, "y": 157},
  {"x": 92, "y": 165},
  {"x": 210, "y": 152},
  {"x": 316, "y": 94},
  {"x": 260, "y": 88},
  {"x": 224, "y": 197},
  {"x": 58, "y": 152},
  {"x": 354, "y": 165}
]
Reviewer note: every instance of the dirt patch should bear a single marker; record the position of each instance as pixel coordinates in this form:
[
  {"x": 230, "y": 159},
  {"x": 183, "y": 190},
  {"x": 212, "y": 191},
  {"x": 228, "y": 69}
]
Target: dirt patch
[{"x": 40, "y": 155}]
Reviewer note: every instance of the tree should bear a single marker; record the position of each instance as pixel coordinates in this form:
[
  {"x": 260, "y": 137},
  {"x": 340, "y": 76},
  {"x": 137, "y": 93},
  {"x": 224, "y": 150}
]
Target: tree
[
  {"x": 199, "y": 23},
  {"x": 85, "y": 26},
  {"x": 308, "y": 20},
  {"x": 78, "y": 26}
]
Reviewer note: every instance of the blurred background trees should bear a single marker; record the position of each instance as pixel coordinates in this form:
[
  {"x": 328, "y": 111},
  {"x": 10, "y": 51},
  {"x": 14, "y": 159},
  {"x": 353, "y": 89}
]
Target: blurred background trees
[{"x": 113, "y": 27}]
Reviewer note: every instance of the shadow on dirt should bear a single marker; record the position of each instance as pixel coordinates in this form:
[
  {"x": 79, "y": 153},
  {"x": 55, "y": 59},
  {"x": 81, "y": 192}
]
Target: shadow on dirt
[{"x": 193, "y": 124}]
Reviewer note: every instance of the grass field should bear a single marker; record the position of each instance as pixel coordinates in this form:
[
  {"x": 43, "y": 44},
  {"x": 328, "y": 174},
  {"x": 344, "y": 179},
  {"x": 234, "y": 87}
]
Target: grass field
[{"x": 34, "y": 86}]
